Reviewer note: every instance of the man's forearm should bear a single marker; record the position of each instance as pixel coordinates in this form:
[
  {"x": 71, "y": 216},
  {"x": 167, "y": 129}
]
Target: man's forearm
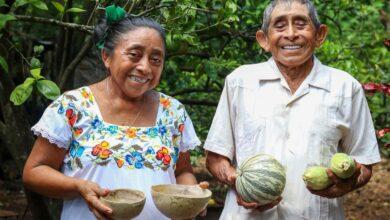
[{"x": 221, "y": 168}]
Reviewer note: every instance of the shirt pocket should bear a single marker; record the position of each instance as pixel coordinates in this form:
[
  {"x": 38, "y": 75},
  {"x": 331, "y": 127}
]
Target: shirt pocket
[
  {"x": 249, "y": 134},
  {"x": 324, "y": 136}
]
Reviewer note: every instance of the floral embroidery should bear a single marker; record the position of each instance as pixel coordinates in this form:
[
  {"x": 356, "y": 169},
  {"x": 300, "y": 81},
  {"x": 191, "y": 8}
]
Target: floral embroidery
[
  {"x": 131, "y": 132},
  {"x": 101, "y": 150},
  {"x": 165, "y": 102},
  {"x": 95, "y": 141}
]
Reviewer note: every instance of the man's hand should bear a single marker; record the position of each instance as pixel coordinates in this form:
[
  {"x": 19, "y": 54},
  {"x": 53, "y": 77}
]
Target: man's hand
[
  {"x": 221, "y": 168},
  {"x": 340, "y": 186},
  {"x": 255, "y": 205}
]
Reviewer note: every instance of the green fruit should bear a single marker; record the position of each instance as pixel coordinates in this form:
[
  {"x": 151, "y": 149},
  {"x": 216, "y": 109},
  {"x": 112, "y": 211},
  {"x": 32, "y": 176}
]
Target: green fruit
[
  {"x": 342, "y": 165},
  {"x": 261, "y": 178},
  {"x": 316, "y": 178}
]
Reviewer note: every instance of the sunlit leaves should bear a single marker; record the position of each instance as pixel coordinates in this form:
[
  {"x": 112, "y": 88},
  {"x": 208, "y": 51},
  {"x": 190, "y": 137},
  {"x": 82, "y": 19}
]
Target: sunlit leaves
[
  {"x": 22, "y": 92},
  {"x": 48, "y": 89}
]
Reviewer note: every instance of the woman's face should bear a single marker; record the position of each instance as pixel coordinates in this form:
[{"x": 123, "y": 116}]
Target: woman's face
[{"x": 136, "y": 62}]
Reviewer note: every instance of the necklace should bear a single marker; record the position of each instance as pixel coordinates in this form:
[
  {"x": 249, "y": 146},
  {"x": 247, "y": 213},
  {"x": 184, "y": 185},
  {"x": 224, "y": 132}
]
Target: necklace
[{"x": 140, "y": 109}]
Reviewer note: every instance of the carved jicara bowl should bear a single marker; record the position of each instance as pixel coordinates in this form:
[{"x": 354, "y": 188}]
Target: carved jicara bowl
[
  {"x": 125, "y": 203},
  {"x": 180, "y": 201}
]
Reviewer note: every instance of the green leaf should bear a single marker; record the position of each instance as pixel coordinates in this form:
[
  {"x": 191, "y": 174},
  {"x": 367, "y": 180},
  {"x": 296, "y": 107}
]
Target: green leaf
[
  {"x": 35, "y": 63},
  {"x": 19, "y": 3},
  {"x": 48, "y": 89},
  {"x": 36, "y": 73},
  {"x": 22, "y": 92},
  {"x": 38, "y": 49},
  {"x": 4, "y": 18},
  {"x": 40, "y": 4},
  {"x": 75, "y": 10},
  {"x": 58, "y": 6},
  {"x": 2, "y": 3},
  {"x": 3, "y": 63}
]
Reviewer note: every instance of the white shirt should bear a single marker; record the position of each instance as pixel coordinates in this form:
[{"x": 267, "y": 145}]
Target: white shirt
[
  {"x": 257, "y": 114},
  {"x": 115, "y": 156}
]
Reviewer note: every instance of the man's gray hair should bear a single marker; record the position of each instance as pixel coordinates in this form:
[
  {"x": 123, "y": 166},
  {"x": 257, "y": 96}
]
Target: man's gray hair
[{"x": 309, "y": 5}]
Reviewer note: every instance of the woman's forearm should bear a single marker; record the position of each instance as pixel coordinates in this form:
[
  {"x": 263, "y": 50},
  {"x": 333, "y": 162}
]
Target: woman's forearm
[
  {"x": 186, "y": 178},
  {"x": 51, "y": 183}
]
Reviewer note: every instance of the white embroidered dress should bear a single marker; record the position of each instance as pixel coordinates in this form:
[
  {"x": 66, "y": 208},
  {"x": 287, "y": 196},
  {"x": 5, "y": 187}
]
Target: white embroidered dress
[{"x": 116, "y": 156}]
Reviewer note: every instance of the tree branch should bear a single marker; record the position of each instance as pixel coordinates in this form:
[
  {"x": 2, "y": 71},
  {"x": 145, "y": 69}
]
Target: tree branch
[
  {"x": 151, "y": 9},
  {"x": 84, "y": 50},
  {"x": 196, "y": 54},
  {"x": 72, "y": 26}
]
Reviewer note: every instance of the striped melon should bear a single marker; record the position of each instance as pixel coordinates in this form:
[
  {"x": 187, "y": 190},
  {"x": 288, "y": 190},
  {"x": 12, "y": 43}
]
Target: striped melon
[{"x": 260, "y": 178}]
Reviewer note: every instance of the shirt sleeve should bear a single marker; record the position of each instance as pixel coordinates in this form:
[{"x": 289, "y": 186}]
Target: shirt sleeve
[
  {"x": 189, "y": 138},
  {"x": 54, "y": 126},
  {"x": 220, "y": 138},
  {"x": 360, "y": 141}
]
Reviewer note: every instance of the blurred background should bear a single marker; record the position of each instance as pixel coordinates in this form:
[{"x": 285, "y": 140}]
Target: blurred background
[{"x": 50, "y": 41}]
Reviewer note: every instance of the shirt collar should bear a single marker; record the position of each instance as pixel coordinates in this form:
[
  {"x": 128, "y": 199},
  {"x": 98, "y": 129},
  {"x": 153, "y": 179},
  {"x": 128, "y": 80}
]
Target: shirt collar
[{"x": 316, "y": 77}]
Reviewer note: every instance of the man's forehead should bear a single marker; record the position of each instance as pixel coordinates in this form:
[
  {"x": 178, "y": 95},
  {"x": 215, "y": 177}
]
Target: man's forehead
[{"x": 294, "y": 8}]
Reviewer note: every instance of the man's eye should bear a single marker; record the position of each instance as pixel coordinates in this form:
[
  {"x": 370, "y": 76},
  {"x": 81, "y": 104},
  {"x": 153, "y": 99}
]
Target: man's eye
[{"x": 279, "y": 25}]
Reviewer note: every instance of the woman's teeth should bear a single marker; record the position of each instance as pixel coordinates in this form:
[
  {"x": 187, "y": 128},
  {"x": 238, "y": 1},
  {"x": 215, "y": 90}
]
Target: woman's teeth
[{"x": 139, "y": 79}]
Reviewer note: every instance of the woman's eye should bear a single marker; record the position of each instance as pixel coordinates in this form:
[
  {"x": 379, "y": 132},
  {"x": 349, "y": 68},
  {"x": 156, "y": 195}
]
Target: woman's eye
[{"x": 156, "y": 60}]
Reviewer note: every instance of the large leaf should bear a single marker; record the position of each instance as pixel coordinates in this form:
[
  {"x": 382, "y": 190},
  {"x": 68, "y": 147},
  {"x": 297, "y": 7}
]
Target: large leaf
[
  {"x": 19, "y": 3},
  {"x": 4, "y": 18},
  {"x": 75, "y": 10},
  {"x": 48, "y": 88},
  {"x": 58, "y": 6},
  {"x": 22, "y": 92},
  {"x": 40, "y": 4},
  {"x": 3, "y": 63}
]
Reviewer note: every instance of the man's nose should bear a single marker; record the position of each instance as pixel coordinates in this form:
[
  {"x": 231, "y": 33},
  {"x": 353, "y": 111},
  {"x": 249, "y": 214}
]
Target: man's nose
[{"x": 291, "y": 33}]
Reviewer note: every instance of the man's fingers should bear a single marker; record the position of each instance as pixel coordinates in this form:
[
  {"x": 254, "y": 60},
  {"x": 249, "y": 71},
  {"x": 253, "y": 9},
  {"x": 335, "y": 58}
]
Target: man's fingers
[
  {"x": 332, "y": 176},
  {"x": 269, "y": 205},
  {"x": 247, "y": 205}
]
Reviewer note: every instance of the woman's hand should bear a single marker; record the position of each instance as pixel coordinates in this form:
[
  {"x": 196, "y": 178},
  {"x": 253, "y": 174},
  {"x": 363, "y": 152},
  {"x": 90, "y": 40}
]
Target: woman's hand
[
  {"x": 340, "y": 186},
  {"x": 203, "y": 185},
  {"x": 91, "y": 192}
]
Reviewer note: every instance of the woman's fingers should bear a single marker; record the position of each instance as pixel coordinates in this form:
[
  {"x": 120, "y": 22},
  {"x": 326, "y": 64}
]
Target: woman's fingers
[{"x": 204, "y": 185}]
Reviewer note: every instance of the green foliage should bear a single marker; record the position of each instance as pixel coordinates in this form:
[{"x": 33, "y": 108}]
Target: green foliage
[
  {"x": 22, "y": 92},
  {"x": 3, "y": 64},
  {"x": 48, "y": 88},
  {"x": 4, "y": 18},
  {"x": 207, "y": 40}
]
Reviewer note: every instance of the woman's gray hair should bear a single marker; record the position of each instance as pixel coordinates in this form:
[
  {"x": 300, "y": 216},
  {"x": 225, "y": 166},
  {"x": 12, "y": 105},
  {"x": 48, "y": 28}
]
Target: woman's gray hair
[{"x": 309, "y": 5}]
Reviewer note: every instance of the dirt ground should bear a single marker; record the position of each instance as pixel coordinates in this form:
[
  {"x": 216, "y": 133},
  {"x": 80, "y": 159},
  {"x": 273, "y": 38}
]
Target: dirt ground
[{"x": 369, "y": 202}]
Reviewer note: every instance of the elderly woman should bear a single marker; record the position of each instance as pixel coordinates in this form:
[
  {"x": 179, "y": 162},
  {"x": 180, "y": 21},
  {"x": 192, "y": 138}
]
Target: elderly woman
[{"x": 117, "y": 133}]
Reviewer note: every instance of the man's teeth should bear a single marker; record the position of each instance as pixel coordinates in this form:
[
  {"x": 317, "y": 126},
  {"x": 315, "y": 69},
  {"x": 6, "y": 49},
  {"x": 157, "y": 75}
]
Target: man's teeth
[
  {"x": 138, "y": 79},
  {"x": 291, "y": 47}
]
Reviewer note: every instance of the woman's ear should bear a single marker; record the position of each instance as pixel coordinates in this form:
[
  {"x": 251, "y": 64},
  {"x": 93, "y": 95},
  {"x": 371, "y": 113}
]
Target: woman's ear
[
  {"x": 106, "y": 58},
  {"x": 321, "y": 34},
  {"x": 262, "y": 39}
]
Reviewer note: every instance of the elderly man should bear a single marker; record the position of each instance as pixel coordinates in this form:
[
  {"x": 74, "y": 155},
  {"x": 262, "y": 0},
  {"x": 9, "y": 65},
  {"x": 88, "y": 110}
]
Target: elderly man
[{"x": 296, "y": 109}]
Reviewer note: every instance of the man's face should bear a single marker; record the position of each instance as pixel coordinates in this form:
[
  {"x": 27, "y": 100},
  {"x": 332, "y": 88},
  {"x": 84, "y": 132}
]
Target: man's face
[{"x": 291, "y": 36}]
